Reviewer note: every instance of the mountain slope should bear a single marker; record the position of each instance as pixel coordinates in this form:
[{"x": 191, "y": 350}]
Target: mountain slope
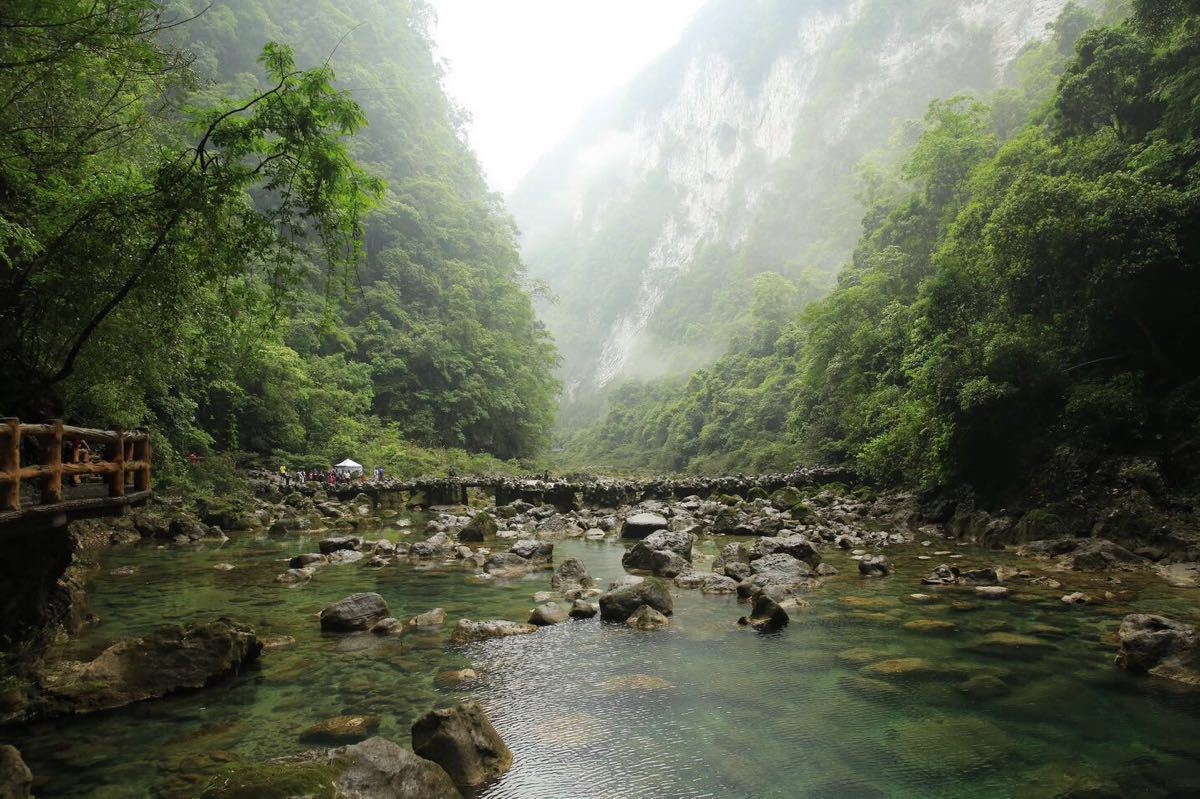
[{"x": 733, "y": 156}]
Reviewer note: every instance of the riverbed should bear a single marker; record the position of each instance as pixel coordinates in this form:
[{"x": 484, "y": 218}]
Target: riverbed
[{"x": 703, "y": 709}]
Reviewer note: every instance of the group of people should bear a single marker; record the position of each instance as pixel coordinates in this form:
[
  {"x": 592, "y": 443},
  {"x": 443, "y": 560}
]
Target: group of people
[{"x": 329, "y": 477}]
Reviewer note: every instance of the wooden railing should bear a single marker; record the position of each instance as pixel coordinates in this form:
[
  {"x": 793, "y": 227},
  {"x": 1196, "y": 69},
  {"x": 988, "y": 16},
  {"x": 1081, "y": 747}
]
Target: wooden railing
[{"x": 122, "y": 456}]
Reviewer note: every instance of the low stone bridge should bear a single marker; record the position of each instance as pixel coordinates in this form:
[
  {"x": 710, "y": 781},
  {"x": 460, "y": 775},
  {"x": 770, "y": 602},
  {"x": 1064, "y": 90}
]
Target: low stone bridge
[{"x": 572, "y": 492}]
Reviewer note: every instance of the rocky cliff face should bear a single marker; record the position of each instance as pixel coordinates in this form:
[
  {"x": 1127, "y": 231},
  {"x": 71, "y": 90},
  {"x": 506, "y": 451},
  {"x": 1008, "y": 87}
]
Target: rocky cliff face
[{"x": 734, "y": 155}]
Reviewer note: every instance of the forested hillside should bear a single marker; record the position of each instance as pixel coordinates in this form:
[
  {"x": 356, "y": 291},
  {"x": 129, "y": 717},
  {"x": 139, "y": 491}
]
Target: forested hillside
[
  {"x": 287, "y": 251},
  {"x": 1019, "y": 312}
]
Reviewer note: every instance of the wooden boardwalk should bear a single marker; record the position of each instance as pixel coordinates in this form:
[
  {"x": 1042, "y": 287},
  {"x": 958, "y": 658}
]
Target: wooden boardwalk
[{"x": 115, "y": 473}]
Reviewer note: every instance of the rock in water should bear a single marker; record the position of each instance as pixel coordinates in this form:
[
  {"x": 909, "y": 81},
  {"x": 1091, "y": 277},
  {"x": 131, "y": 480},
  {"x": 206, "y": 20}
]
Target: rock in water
[
  {"x": 538, "y": 553},
  {"x": 620, "y": 603},
  {"x": 430, "y": 619},
  {"x": 874, "y": 566},
  {"x": 1160, "y": 646},
  {"x": 15, "y": 777},
  {"x": 640, "y": 525},
  {"x": 506, "y": 564},
  {"x": 467, "y": 631},
  {"x": 373, "y": 769},
  {"x": 660, "y": 562},
  {"x": 571, "y": 573},
  {"x": 546, "y": 614},
  {"x": 582, "y": 610},
  {"x": 678, "y": 542},
  {"x": 463, "y": 742},
  {"x": 481, "y": 528},
  {"x": 647, "y": 618},
  {"x": 341, "y": 730},
  {"x": 172, "y": 658},
  {"x": 355, "y": 612},
  {"x": 766, "y": 616}
]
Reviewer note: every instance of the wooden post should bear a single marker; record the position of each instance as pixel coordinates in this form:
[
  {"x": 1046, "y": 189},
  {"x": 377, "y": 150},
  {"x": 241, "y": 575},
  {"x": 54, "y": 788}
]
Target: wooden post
[
  {"x": 10, "y": 462},
  {"x": 116, "y": 480},
  {"x": 52, "y": 485},
  {"x": 142, "y": 450}
]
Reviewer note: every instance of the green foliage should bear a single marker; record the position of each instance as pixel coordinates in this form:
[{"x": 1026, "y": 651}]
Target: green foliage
[
  {"x": 205, "y": 230},
  {"x": 1022, "y": 314}
]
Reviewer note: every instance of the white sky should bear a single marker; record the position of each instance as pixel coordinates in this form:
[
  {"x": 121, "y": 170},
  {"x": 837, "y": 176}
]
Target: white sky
[{"x": 526, "y": 70}]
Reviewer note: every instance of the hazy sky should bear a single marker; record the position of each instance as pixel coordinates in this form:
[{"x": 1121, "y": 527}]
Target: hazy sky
[{"x": 527, "y": 69}]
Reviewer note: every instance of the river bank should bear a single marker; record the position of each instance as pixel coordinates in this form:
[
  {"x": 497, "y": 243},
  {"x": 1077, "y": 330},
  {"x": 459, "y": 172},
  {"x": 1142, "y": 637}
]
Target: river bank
[{"x": 882, "y": 662}]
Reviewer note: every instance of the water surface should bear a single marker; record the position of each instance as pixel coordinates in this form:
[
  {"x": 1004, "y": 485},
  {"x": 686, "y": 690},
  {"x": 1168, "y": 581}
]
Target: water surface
[{"x": 704, "y": 709}]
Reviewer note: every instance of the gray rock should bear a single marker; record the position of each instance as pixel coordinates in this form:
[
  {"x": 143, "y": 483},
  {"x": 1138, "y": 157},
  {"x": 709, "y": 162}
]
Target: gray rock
[
  {"x": 640, "y": 525},
  {"x": 737, "y": 570},
  {"x": 388, "y": 626},
  {"x": 547, "y": 613},
  {"x": 343, "y": 556},
  {"x": 678, "y": 542},
  {"x": 779, "y": 569},
  {"x": 983, "y": 576},
  {"x": 506, "y": 564},
  {"x": 874, "y": 566},
  {"x": 538, "y": 553},
  {"x": 718, "y": 584},
  {"x": 294, "y": 576},
  {"x": 571, "y": 573},
  {"x": 463, "y": 742},
  {"x": 826, "y": 570},
  {"x": 355, "y": 612},
  {"x": 660, "y": 562},
  {"x": 796, "y": 545},
  {"x": 341, "y": 730},
  {"x": 620, "y": 603}
]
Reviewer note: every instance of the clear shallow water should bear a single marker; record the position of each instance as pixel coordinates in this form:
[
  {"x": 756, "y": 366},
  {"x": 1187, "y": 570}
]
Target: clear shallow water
[{"x": 703, "y": 709}]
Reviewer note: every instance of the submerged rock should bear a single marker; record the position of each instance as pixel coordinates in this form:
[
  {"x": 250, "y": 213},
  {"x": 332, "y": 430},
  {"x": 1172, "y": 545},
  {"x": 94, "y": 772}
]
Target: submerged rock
[
  {"x": 430, "y": 619},
  {"x": 373, "y": 769},
  {"x": 341, "y": 730},
  {"x": 647, "y": 618},
  {"x": 171, "y": 659},
  {"x": 620, "y": 603},
  {"x": 355, "y": 612},
  {"x": 766, "y": 616},
  {"x": 15, "y": 778},
  {"x": 463, "y": 742},
  {"x": 467, "y": 631},
  {"x": 874, "y": 566},
  {"x": 1159, "y": 646}
]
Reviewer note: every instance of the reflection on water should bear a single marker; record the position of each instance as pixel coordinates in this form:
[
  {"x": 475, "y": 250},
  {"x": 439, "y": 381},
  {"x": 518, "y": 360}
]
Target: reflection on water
[{"x": 1011, "y": 698}]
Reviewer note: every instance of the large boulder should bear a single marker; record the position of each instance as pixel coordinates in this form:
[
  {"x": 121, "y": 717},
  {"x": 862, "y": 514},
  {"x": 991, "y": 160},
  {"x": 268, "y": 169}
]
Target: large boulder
[
  {"x": 506, "y": 564},
  {"x": 571, "y": 573},
  {"x": 463, "y": 742},
  {"x": 660, "y": 562},
  {"x": 640, "y": 525},
  {"x": 1099, "y": 554},
  {"x": 355, "y": 612},
  {"x": 796, "y": 545},
  {"x": 547, "y": 613},
  {"x": 467, "y": 631},
  {"x": 1159, "y": 646},
  {"x": 619, "y": 604},
  {"x": 373, "y": 769},
  {"x": 481, "y": 528},
  {"x": 171, "y": 659},
  {"x": 779, "y": 570},
  {"x": 15, "y": 777},
  {"x": 679, "y": 542}
]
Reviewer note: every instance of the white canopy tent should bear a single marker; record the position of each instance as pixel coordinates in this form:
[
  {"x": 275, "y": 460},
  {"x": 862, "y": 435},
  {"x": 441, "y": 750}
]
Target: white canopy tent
[{"x": 348, "y": 467}]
